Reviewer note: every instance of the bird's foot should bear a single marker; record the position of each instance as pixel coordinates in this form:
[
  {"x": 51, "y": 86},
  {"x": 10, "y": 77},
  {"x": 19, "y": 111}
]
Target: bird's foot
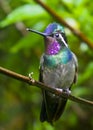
[
  {"x": 31, "y": 77},
  {"x": 59, "y": 89},
  {"x": 65, "y": 91}
]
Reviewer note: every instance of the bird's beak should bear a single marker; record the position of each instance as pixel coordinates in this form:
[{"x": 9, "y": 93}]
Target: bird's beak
[{"x": 34, "y": 31}]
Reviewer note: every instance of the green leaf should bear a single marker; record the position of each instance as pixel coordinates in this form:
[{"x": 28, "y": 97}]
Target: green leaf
[{"x": 23, "y": 13}]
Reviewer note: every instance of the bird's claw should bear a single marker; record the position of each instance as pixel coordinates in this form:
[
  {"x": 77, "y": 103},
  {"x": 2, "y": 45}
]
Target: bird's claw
[
  {"x": 66, "y": 91},
  {"x": 59, "y": 89}
]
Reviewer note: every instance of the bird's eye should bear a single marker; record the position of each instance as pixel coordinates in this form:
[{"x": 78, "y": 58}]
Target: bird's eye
[{"x": 57, "y": 35}]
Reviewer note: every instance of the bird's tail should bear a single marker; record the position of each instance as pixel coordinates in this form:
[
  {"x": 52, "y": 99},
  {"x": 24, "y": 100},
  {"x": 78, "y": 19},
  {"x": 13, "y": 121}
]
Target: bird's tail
[{"x": 52, "y": 108}]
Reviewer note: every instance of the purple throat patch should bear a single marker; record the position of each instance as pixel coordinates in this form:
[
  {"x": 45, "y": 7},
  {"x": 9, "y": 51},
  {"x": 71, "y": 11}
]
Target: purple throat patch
[{"x": 53, "y": 48}]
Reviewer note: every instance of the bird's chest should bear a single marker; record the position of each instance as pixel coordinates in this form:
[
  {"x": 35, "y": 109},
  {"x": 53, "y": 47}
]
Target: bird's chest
[
  {"x": 59, "y": 72},
  {"x": 60, "y": 76}
]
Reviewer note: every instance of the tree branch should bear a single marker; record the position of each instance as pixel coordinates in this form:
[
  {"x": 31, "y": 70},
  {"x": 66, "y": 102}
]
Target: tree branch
[
  {"x": 53, "y": 13},
  {"x": 43, "y": 86}
]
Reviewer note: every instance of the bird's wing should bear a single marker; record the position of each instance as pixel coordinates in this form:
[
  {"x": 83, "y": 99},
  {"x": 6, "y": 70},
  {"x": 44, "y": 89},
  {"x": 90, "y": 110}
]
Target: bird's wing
[
  {"x": 43, "y": 113},
  {"x": 76, "y": 67}
]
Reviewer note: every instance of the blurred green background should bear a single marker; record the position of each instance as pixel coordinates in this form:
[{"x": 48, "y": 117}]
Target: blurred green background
[{"x": 20, "y": 51}]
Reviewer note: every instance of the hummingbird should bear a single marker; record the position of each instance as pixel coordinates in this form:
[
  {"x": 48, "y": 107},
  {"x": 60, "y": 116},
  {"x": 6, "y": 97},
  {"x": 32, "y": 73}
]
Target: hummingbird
[{"x": 58, "y": 69}]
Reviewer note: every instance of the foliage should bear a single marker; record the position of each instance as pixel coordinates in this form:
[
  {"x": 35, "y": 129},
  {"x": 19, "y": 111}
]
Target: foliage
[{"x": 20, "y": 51}]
